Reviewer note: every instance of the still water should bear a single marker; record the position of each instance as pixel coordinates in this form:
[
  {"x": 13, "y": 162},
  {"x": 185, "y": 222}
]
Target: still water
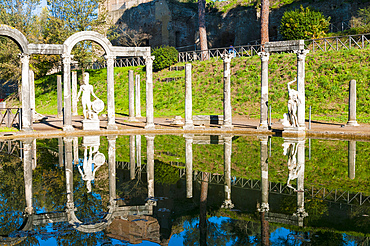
[{"x": 184, "y": 190}]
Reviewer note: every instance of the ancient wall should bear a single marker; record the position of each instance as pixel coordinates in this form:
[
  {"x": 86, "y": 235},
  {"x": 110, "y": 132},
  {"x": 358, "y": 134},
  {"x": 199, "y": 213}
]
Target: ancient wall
[{"x": 168, "y": 22}]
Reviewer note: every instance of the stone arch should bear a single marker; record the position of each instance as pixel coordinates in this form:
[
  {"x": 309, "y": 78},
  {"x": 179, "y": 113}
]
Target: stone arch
[
  {"x": 16, "y": 36},
  {"x": 87, "y": 36}
]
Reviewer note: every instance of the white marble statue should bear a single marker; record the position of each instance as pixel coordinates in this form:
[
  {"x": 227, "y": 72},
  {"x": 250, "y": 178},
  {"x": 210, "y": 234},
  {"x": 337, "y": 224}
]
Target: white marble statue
[
  {"x": 290, "y": 118},
  {"x": 87, "y": 90}
]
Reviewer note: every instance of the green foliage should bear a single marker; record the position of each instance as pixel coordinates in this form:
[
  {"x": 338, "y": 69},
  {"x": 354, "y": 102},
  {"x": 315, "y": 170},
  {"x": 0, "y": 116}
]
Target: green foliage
[
  {"x": 165, "y": 174},
  {"x": 303, "y": 23},
  {"x": 164, "y": 57}
]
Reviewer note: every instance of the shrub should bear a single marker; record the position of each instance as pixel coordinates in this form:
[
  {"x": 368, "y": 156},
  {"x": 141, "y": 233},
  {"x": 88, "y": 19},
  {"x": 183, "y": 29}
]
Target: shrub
[
  {"x": 303, "y": 23},
  {"x": 164, "y": 57}
]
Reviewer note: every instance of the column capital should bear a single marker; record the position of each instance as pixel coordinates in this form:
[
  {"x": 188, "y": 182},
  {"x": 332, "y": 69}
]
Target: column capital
[
  {"x": 227, "y": 57},
  {"x": 188, "y": 138},
  {"x": 265, "y": 207},
  {"x": 263, "y": 139},
  {"x": 264, "y": 55},
  {"x": 67, "y": 58},
  {"x": 25, "y": 58},
  {"x": 150, "y": 137},
  {"x": 149, "y": 59},
  {"x": 301, "y": 54}
]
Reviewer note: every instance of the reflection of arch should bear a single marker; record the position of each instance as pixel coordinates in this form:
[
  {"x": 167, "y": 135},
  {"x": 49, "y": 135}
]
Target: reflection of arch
[{"x": 16, "y": 36}]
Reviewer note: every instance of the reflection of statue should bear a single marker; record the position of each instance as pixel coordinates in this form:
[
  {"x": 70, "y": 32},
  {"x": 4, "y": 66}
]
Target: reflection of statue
[
  {"x": 97, "y": 105},
  {"x": 290, "y": 118},
  {"x": 91, "y": 165},
  {"x": 290, "y": 150}
]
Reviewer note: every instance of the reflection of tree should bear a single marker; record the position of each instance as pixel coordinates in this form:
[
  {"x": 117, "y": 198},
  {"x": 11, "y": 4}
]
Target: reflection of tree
[
  {"x": 327, "y": 238},
  {"x": 242, "y": 232}
]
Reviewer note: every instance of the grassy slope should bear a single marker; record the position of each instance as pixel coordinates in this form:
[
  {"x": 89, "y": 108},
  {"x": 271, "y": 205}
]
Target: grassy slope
[{"x": 327, "y": 78}]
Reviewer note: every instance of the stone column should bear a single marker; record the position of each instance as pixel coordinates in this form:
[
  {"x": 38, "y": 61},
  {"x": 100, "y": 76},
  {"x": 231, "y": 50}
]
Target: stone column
[
  {"x": 132, "y": 157},
  {"x": 265, "y": 207},
  {"x": 27, "y": 165},
  {"x": 149, "y": 92},
  {"x": 69, "y": 171},
  {"x": 189, "y": 164},
  {"x": 137, "y": 95},
  {"x": 60, "y": 152},
  {"x": 131, "y": 96},
  {"x": 301, "y": 213},
  {"x": 264, "y": 90},
  {"x": 67, "y": 59},
  {"x": 227, "y": 171},
  {"x": 76, "y": 158},
  {"x": 74, "y": 93},
  {"x": 188, "y": 99},
  {"x": 138, "y": 151},
  {"x": 351, "y": 159},
  {"x": 352, "y": 104},
  {"x": 227, "y": 92},
  {"x": 301, "y": 55},
  {"x": 110, "y": 93},
  {"x": 112, "y": 169},
  {"x": 59, "y": 96},
  {"x": 150, "y": 168},
  {"x": 32, "y": 93},
  {"x": 26, "y": 104},
  {"x": 34, "y": 154}
]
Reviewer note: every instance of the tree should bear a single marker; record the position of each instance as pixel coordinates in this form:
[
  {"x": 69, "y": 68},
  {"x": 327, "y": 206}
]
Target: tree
[
  {"x": 265, "y": 21},
  {"x": 202, "y": 28},
  {"x": 303, "y": 23},
  {"x": 124, "y": 36}
]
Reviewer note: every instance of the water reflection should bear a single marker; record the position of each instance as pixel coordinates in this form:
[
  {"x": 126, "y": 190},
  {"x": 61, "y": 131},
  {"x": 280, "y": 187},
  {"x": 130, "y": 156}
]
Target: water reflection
[{"x": 194, "y": 198}]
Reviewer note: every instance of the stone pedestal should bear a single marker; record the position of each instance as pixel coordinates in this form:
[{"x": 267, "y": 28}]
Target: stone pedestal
[{"x": 89, "y": 125}]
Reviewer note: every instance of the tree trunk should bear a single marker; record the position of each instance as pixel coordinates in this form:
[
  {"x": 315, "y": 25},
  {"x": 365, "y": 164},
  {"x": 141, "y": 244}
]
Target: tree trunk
[
  {"x": 265, "y": 21},
  {"x": 202, "y": 29}
]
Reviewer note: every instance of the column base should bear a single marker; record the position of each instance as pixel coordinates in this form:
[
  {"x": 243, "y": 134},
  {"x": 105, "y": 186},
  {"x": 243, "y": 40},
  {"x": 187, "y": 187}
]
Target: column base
[
  {"x": 294, "y": 131},
  {"x": 227, "y": 204},
  {"x": 352, "y": 123},
  {"x": 227, "y": 127},
  {"x": 132, "y": 119},
  {"x": 149, "y": 126},
  {"x": 263, "y": 127},
  {"x": 264, "y": 208},
  {"x": 26, "y": 129},
  {"x": 188, "y": 127},
  {"x": 68, "y": 128},
  {"x": 112, "y": 126}
]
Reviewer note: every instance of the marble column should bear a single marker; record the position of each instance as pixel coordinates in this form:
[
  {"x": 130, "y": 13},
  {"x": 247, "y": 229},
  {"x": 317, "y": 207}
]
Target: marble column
[
  {"x": 74, "y": 93},
  {"x": 110, "y": 93},
  {"x": 351, "y": 159},
  {"x": 138, "y": 151},
  {"x": 131, "y": 96},
  {"x": 61, "y": 152},
  {"x": 34, "y": 154},
  {"x": 69, "y": 172},
  {"x": 32, "y": 94},
  {"x": 189, "y": 164},
  {"x": 264, "y": 207},
  {"x": 264, "y": 90},
  {"x": 27, "y": 165},
  {"x": 301, "y": 213},
  {"x": 67, "y": 59},
  {"x": 112, "y": 169},
  {"x": 301, "y": 56},
  {"x": 352, "y": 104},
  {"x": 227, "y": 124},
  {"x": 188, "y": 99},
  {"x": 227, "y": 171},
  {"x": 59, "y": 96},
  {"x": 150, "y": 169},
  {"x": 26, "y": 104},
  {"x": 137, "y": 96},
  {"x": 149, "y": 92},
  {"x": 132, "y": 157}
]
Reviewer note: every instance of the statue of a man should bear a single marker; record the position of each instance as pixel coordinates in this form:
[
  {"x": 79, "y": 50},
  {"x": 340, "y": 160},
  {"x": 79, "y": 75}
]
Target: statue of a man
[
  {"x": 86, "y": 90},
  {"x": 293, "y": 102}
]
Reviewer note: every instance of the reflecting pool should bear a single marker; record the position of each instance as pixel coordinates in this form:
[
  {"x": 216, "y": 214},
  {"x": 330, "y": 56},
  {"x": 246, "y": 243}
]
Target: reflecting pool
[{"x": 184, "y": 190}]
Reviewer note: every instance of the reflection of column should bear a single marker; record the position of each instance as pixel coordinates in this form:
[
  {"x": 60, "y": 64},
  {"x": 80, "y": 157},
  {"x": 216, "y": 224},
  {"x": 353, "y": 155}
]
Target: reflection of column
[
  {"x": 227, "y": 172},
  {"x": 227, "y": 94},
  {"x": 137, "y": 96},
  {"x": 301, "y": 55},
  {"x": 188, "y": 99},
  {"x": 112, "y": 169},
  {"x": 132, "y": 157},
  {"x": 150, "y": 167},
  {"x": 301, "y": 213},
  {"x": 189, "y": 165},
  {"x": 27, "y": 165},
  {"x": 149, "y": 92},
  {"x": 351, "y": 159},
  {"x": 34, "y": 154},
  {"x": 74, "y": 93},
  {"x": 131, "y": 96},
  {"x": 138, "y": 150},
  {"x": 59, "y": 96},
  {"x": 264, "y": 175},
  {"x": 26, "y": 107},
  {"x": 75, "y": 151},
  {"x": 110, "y": 93},
  {"x": 60, "y": 152},
  {"x": 67, "y": 59},
  {"x": 69, "y": 171},
  {"x": 264, "y": 89}
]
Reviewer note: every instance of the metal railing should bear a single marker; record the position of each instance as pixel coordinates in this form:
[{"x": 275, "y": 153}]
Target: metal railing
[{"x": 11, "y": 117}]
